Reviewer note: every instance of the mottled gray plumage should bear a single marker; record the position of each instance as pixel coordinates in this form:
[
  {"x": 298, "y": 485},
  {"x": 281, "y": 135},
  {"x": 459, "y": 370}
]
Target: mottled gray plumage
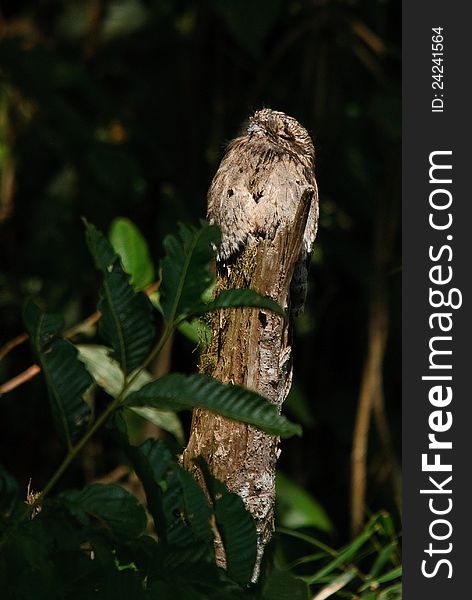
[{"x": 258, "y": 186}]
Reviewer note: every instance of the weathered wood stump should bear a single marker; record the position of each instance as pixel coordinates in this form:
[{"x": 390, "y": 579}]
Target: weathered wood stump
[
  {"x": 264, "y": 198},
  {"x": 250, "y": 347}
]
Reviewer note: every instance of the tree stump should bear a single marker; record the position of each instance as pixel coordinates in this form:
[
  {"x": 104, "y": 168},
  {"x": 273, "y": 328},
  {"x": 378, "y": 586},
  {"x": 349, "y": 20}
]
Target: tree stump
[{"x": 250, "y": 347}]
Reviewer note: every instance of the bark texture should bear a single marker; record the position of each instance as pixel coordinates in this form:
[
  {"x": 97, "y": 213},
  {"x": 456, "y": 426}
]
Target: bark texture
[{"x": 252, "y": 347}]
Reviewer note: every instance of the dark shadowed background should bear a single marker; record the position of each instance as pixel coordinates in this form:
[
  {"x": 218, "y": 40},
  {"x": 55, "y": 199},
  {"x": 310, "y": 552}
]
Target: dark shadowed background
[{"x": 123, "y": 108}]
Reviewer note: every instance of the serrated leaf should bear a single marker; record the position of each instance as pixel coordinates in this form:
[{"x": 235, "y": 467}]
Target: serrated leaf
[
  {"x": 196, "y": 580},
  {"x": 241, "y": 297},
  {"x": 165, "y": 419},
  {"x": 100, "y": 248},
  {"x": 126, "y": 322},
  {"x": 130, "y": 244},
  {"x": 238, "y": 532},
  {"x": 297, "y": 508},
  {"x": 106, "y": 371},
  {"x": 66, "y": 377},
  {"x": 184, "y": 392},
  {"x": 109, "y": 376},
  {"x": 175, "y": 500},
  {"x": 186, "y": 508},
  {"x": 112, "y": 505},
  {"x": 236, "y": 526},
  {"x": 150, "y": 462},
  {"x": 185, "y": 269},
  {"x": 179, "y": 556}
]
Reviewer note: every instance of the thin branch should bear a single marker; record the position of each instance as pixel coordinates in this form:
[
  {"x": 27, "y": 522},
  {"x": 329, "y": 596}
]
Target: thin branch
[
  {"x": 371, "y": 397},
  {"x": 371, "y": 39},
  {"x": 84, "y": 326},
  {"x": 384, "y": 434},
  {"x": 77, "y": 448},
  {"x": 6, "y": 348},
  {"x": 159, "y": 367},
  {"x": 33, "y": 370},
  {"x": 23, "y": 377},
  {"x": 102, "y": 418},
  {"x": 370, "y": 384},
  {"x": 95, "y": 21},
  {"x": 7, "y": 189},
  {"x": 114, "y": 476}
]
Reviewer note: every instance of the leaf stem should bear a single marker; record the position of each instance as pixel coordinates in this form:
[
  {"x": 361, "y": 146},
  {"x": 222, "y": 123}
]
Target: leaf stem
[
  {"x": 169, "y": 328},
  {"x": 33, "y": 370},
  {"x": 76, "y": 449},
  {"x": 168, "y": 331}
]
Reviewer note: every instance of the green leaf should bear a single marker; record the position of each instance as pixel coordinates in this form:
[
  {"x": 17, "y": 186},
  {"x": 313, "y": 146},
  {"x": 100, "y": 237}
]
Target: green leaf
[
  {"x": 186, "y": 508},
  {"x": 236, "y": 526},
  {"x": 391, "y": 575},
  {"x": 297, "y": 508},
  {"x": 192, "y": 580},
  {"x": 26, "y": 568},
  {"x": 347, "y": 554},
  {"x": 336, "y": 584},
  {"x": 112, "y": 505},
  {"x": 281, "y": 585},
  {"x": 165, "y": 419},
  {"x": 308, "y": 558},
  {"x": 240, "y": 298},
  {"x": 66, "y": 377},
  {"x": 176, "y": 502},
  {"x": 181, "y": 392},
  {"x": 109, "y": 376},
  {"x": 130, "y": 244},
  {"x": 106, "y": 371},
  {"x": 196, "y": 331},
  {"x": 100, "y": 248},
  {"x": 179, "y": 558},
  {"x": 309, "y": 540},
  {"x": 393, "y": 592},
  {"x": 185, "y": 272},
  {"x": 151, "y": 461},
  {"x": 8, "y": 493},
  {"x": 383, "y": 557},
  {"x": 126, "y": 322},
  {"x": 120, "y": 585},
  {"x": 238, "y": 532},
  {"x": 386, "y": 524}
]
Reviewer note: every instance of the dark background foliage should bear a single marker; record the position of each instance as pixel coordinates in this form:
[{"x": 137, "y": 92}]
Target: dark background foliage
[{"x": 124, "y": 108}]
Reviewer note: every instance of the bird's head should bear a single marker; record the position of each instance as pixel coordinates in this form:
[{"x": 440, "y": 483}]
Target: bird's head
[{"x": 284, "y": 132}]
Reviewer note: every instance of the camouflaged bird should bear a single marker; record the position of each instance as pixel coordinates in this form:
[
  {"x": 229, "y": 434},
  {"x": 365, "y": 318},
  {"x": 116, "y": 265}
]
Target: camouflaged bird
[{"x": 258, "y": 187}]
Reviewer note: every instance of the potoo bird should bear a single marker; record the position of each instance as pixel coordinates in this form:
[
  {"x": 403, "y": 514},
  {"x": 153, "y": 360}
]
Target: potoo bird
[{"x": 258, "y": 187}]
